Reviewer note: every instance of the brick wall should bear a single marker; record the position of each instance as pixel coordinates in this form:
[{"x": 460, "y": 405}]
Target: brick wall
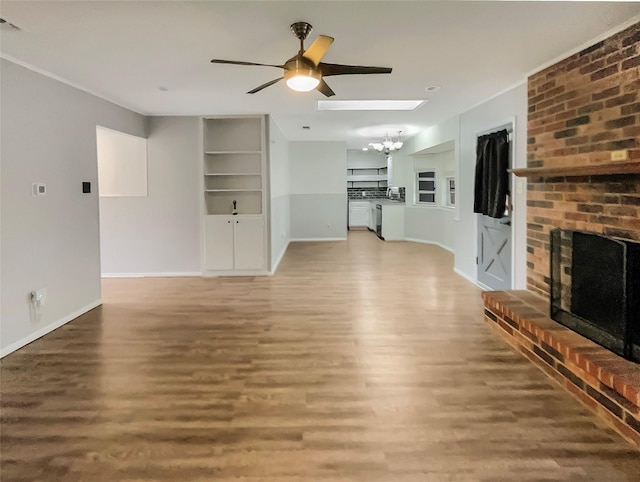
[{"x": 580, "y": 111}]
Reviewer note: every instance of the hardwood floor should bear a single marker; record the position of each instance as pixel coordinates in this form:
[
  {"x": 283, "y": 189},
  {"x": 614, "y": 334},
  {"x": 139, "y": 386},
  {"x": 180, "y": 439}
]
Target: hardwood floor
[{"x": 358, "y": 361}]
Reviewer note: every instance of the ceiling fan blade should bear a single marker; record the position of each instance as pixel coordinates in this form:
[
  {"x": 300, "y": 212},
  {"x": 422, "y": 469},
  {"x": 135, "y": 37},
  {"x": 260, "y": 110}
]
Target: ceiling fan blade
[
  {"x": 337, "y": 69},
  {"x": 325, "y": 89},
  {"x": 235, "y": 62},
  {"x": 318, "y": 48},
  {"x": 264, "y": 86}
]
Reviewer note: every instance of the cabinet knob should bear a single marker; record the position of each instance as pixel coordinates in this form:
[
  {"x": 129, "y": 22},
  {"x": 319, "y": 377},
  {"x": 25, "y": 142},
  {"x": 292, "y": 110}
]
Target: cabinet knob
[
  {"x": 228, "y": 222},
  {"x": 236, "y": 222}
]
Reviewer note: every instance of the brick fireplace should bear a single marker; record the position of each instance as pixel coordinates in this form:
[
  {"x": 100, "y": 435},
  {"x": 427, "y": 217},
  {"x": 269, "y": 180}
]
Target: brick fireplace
[
  {"x": 583, "y": 173},
  {"x": 582, "y": 110}
]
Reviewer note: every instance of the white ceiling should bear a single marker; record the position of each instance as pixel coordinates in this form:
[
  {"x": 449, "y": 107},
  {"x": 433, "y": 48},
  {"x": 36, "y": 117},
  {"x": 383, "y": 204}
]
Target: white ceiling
[{"x": 127, "y": 51}]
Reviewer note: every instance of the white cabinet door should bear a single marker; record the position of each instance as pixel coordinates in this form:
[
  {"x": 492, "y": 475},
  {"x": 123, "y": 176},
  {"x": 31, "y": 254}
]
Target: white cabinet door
[
  {"x": 249, "y": 242},
  {"x": 218, "y": 243},
  {"x": 358, "y": 214}
]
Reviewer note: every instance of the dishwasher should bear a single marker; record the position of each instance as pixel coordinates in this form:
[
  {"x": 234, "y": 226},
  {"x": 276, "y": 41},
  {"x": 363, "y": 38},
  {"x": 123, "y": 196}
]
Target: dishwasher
[{"x": 379, "y": 221}]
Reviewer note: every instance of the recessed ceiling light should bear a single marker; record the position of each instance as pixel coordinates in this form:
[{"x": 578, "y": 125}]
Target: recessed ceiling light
[
  {"x": 365, "y": 148},
  {"x": 432, "y": 88},
  {"x": 370, "y": 104}
]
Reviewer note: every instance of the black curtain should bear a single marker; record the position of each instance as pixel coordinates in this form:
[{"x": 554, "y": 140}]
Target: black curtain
[{"x": 492, "y": 178}]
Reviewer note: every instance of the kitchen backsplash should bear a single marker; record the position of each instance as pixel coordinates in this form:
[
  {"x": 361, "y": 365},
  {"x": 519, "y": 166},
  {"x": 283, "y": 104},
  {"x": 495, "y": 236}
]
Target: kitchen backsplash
[{"x": 355, "y": 193}]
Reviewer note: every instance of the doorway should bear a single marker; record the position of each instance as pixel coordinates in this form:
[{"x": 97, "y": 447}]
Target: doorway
[{"x": 494, "y": 261}]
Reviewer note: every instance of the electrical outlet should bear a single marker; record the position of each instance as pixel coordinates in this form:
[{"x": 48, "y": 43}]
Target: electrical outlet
[
  {"x": 39, "y": 297},
  {"x": 619, "y": 155},
  {"x": 38, "y": 189}
]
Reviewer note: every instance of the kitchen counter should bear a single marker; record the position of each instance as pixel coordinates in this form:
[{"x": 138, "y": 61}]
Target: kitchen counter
[
  {"x": 363, "y": 213},
  {"x": 376, "y": 201}
]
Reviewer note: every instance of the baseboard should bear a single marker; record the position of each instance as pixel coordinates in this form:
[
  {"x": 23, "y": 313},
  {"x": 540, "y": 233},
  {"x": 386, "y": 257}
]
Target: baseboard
[
  {"x": 422, "y": 241},
  {"x": 48, "y": 329},
  {"x": 471, "y": 280},
  {"x": 277, "y": 263},
  {"x": 304, "y": 240},
  {"x": 232, "y": 273},
  {"x": 483, "y": 286},
  {"x": 171, "y": 274}
]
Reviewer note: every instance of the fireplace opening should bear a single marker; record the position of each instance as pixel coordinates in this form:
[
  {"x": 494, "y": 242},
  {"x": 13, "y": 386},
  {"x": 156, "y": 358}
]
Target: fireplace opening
[{"x": 595, "y": 288}]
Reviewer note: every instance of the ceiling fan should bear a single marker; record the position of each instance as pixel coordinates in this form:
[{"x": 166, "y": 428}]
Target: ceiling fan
[{"x": 304, "y": 72}]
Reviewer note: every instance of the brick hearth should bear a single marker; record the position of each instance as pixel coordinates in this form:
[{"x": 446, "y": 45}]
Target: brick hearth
[{"x": 606, "y": 383}]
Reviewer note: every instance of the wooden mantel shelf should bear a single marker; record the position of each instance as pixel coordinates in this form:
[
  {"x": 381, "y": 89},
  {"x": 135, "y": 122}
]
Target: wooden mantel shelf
[{"x": 611, "y": 168}]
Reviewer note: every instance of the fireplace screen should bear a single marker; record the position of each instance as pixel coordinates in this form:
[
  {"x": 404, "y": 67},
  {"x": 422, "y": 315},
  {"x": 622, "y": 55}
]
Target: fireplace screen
[{"x": 595, "y": 289}]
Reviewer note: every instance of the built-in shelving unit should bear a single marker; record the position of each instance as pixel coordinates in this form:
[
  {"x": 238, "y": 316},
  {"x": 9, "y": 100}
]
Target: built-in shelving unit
[
  {"x": 233, "y": 164},
  {"x": 605, "y": 169},
  {"x": 368, "y": 175},
  {"x": 235, "y": 172}
]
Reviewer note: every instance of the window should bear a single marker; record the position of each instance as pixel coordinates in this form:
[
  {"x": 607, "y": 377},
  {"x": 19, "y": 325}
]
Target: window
[
  {"x": 450, "y": 184},
  {"x": 426, "y": 187}
]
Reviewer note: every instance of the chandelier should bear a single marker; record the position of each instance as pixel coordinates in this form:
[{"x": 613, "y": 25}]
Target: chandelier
[{"x": 387, "y": 145}]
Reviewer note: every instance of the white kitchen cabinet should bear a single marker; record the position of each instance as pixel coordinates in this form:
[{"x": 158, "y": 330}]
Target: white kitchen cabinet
[
  {"x": 359, "y": 214},
  {"x": 234, "y": 243},
  {"x": 390, "y": 171}
]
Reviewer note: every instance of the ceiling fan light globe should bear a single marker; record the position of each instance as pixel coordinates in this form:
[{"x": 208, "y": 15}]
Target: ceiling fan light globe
[
  {"x": 302, "y": 83},
  {"x": 302, "y": 80}
]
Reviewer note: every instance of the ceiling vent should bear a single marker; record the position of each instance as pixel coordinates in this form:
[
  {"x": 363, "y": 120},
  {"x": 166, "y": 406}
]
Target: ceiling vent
[{"x": 6, "y": 25}]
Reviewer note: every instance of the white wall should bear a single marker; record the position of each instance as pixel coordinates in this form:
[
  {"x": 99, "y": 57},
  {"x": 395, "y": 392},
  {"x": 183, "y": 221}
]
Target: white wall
[
  {"x": 437, "y": 148},
  {"x": 370, "y": 158},
  {"x": 510, "y": 106},
  {"x": 158, "y": 234},
  {"x": 318, "y": 190},
  {"x": 280, "y": 192},
  {"x": 431, "y": 224},
  {"x": 439, "y": 134},
  {"x": 463, "y": 130},
  {"x": 48, "y": 134},
  {"x": 122, "y": 163}
]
